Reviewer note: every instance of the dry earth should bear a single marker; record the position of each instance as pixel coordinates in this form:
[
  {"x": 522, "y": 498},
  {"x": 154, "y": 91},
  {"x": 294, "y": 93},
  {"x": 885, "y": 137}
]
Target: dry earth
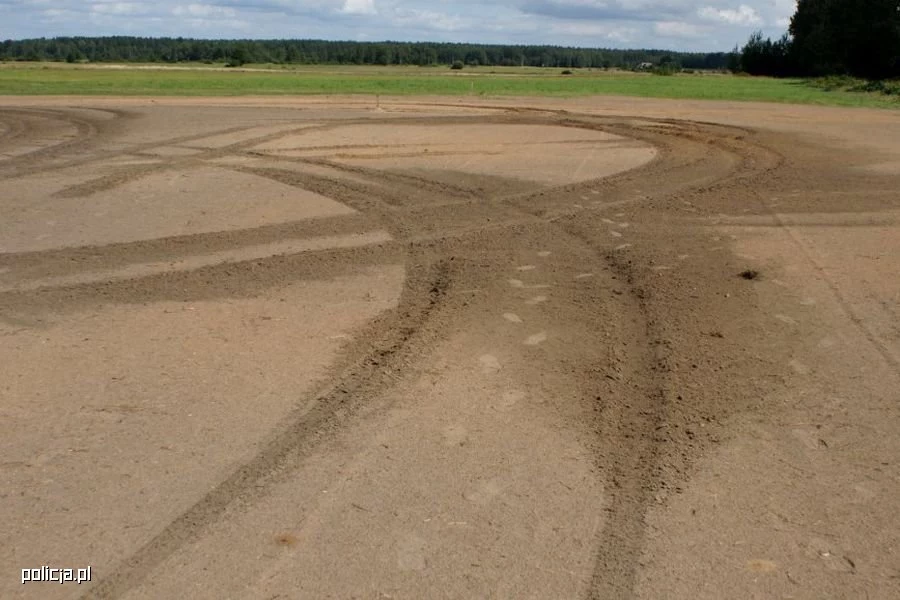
[{"x": 316, "y": 348}]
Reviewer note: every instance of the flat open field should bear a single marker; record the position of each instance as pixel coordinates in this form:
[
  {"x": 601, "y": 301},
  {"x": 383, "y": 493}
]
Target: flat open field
[
  {"x": 210, "y": 80},
  {"x": 449, "y": 348}
]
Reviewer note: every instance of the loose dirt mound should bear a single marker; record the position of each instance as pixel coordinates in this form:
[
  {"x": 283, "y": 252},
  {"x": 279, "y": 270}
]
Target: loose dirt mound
[{"x": 446, "y": 351}]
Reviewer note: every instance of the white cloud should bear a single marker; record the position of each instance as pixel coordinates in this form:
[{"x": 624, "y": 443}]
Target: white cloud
[
  {"x": 679, "y": 29},
  {"x": 742, "y": 15},
  {"x": 429, "y": 20},
  {"x": 206, "y": 11},
  {"x": 589, "y": 29},
  {"x": 782, "y": 11},
  {"x": 622, "y": 35},
  {"x": 359, "y": 7},
  {"x": 118, "y": 8}
]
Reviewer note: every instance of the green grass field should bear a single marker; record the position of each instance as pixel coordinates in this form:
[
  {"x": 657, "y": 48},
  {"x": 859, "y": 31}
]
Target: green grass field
[{"x": 207, "y": 80}]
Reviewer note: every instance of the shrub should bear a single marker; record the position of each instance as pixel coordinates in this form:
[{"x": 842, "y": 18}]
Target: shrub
[
  {"x": 836, "y": 82},
  {"x": 457, "y": 65},
  {"x": 886, "y": 87},
  {"x": 664, "y": 70}
]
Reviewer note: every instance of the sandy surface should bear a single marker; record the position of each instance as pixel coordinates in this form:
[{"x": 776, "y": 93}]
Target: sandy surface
[{"x": 318, "y": 347}]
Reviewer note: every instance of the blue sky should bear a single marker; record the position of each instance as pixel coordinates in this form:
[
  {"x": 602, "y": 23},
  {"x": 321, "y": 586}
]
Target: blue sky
[{"x": 706, "y": 25}]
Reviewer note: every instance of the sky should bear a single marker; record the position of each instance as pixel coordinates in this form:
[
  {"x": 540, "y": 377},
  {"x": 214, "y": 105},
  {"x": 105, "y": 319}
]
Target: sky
[{"x": 702, "y": 25}]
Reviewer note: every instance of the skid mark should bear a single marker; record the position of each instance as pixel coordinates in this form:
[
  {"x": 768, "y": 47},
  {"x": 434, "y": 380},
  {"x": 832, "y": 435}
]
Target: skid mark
[
  {"x": 195, "y": 262},
  {"x": 362, "y": 379}
]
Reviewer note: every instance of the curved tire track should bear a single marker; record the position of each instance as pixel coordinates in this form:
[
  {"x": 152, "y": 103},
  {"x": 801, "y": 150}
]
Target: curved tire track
[
  {"x": 398, "y": 338},
  {"x": 695, "y": 159}
]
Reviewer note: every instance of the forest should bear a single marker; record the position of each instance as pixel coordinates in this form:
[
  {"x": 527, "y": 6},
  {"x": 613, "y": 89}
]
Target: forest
[
  {"x": 239, "y": 52},
  {"x": 859, "y": 38}
]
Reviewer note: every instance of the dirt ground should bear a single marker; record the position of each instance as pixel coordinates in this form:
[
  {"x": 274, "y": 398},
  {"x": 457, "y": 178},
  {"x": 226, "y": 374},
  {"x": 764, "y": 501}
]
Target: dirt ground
[{"x": 449, "y": 348}]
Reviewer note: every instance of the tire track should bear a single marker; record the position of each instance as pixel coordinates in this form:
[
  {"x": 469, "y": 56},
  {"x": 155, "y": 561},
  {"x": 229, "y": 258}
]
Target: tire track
[
  {"x": 632, "y": 466},
  {"x": 241, "y": 279},
  {"x": 26, "y": 123},
  {"x": 61, "y": 261},
  {"x": 634, "y": 450},
  {"x": 871, "y": 335},
  {"x": 397, "y": 340},
  {"x": 694, "y": 159},
  {"x": 82, "y": 153}
]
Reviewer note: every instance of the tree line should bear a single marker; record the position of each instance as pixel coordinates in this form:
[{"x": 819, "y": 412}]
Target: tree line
[
  {"x": 831, "y": 37},
  {"x": 238, "y": 52}
]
